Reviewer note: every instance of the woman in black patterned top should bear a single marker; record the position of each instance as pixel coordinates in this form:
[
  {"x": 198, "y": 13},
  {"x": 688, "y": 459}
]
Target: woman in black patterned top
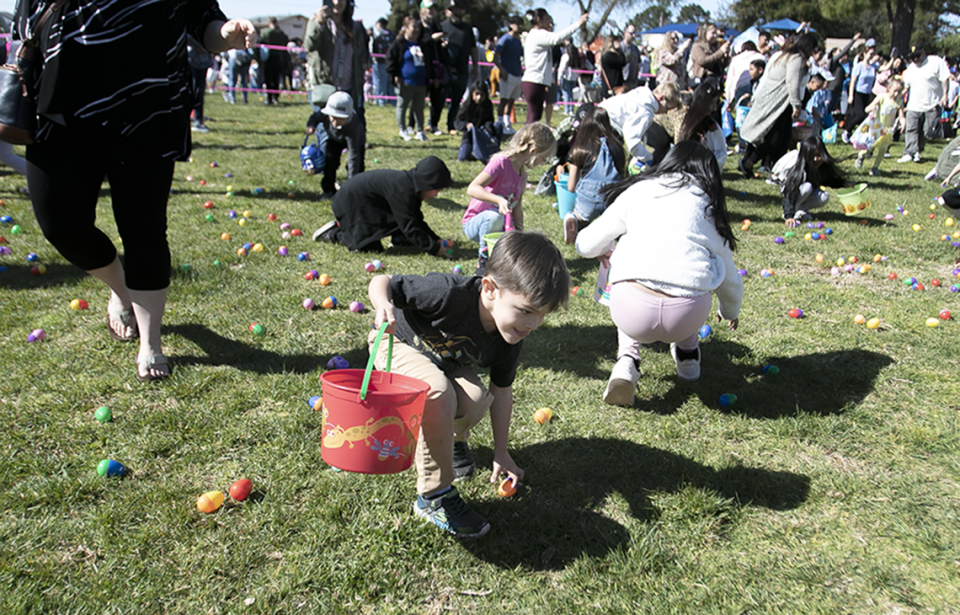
[{"x": 128, "y": 125}]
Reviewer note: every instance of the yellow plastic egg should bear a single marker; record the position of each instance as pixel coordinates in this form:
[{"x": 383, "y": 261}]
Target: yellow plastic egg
[
  {"x": 916, "y": 227},
  {"x": 258, "y": 247},
  {"x": 808, "y": 236},
  {"x": 933, "y": 322},
  {"x": 877, "y": 258},
  {"x": 247, "y": 214},
  {"x": 859, "y": 319},
  {"x": 933, "y": 207},
  {"x": 873, "y": 323},
  {"x": 948, "y": 222},
  {"x": 906, "y": 212},
  {"x": 841, "y": 262},
  {"x": 956, "y": 234},
  {"x": 210, "y": 501}
]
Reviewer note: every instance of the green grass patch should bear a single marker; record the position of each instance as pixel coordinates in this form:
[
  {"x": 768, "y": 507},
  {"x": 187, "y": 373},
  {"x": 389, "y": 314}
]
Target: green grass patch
[{"x": 832, "y": 487}]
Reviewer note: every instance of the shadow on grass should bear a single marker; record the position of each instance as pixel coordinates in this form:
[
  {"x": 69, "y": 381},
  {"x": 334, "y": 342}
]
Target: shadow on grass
[
  {"x": 222, "y": 351},
  {"x": 820, "y": 383},
  {"x": 572, "y": 348},
  {"x": 565, "y": 503},
  {"x": 18, "y": 277}
]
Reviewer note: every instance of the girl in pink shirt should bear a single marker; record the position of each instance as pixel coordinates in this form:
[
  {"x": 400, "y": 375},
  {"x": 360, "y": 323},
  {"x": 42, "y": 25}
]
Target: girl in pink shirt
[{"x": 497, "y": 192}]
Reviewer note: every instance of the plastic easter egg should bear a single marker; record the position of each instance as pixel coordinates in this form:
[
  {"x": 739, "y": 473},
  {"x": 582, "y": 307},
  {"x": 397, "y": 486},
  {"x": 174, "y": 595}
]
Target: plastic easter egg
[
  {"x": 888, "y": 217},
  {"x": 310, "y": 275},
  {"x": 892, "y": 276},
  {"x": 766, "y": 273},
  {"x": 789, "y": 234},
  {"x": 110, "y": 468},
  {"x": 935, "y": 282},
  {"x": 38, "y": 270},
  {"x": 377, "y": 265},
  {"x": 316, "y": 403},
  {"x": 338, "y": 362},
  {"x": 79, "y": 304},
  {"x": 873, "y": 323},
  {"x": 944, "y": 314},
  {"x": 828, "y": 231},
  {"x": 770, "y": 370},
  {"x": 457, "y": 270},
  {"x": 189, "y": 178},
  {"x": 834, "y": 271},
  {"x": 203, "y": 182},
  {"x": 16, "y": 230},
  {"x": 727, "y": 399},
  {"x": 948, "y": 222},
  {"x": 37, "y": 335},
  {"x": 247, "y": 246},
  {"x": 291, "y": 195},
  {"x": 308, "y": 304},
  {"x": 324, "y": 279},
  {"x": 216, "y": 263},
  {"x": 369, "y": 267},
  {"x": 103, "y": 414},
  {"x": 258, "y": 247},
  {"x": 916, "y": 227},
  {"x": 819, "y": 258},
  {"x": 284, "y": 226},
  {"x": 241, "y": 489},
  {"x": 808, "y": 236},
  {"x": 742, "y": 272},
  {"x": 210, "y": 502},
  {"x": 841, "y": 262},
  {"x": 933, "y": 322},
  {"x": 272, "y": 217},
  {"x": 208, "y": 205},
  {"x": 296, "y": 232},
  {"x": 744, "y": 227},
  {"x": 283, "y": 251},
  {"x": 919, "y": 286},
  {"x": 795, "y": 313},
  {"x": 820, "y": 225},
  {"x": 303, "y": 256},
  {"x": 543, "y": 415},
  {"x": 859, "y": 319},
  {"x": 225, "y": 236},
  {"x": 285, "y": 235},
  {"x": 6, "y": 219},
  {"x": 705, "y": 331},
  {"x": 186, "y": 268},
  {"x": 257, "y": 329},
  {"x": 241, "y": 251},
  {"x": 229, "y": 188},
  {"x": 213, "y": 165},
  {"x": 356, "y": 306},
  {"x": 242, "y": 221},
  {"x": 778, "y": 240},
  {"x": 905, "y": 212},
  {"x": 954, "y": 288},
  {"x": 208, "y": 217},
  {"x": 815, "y": 236},
  {"x": 507, "y": 488},
  {"x": 329, "y": 303},
  {"x": 231, "y": 214}
]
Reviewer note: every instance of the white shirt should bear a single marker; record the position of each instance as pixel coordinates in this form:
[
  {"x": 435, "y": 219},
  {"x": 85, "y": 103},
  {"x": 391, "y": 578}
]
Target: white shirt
[
  {"x": 925, "y": 83},
  {"x": 667, "y": 243},
  {"x": 538, "y": 55},
  {"x": 738, "y": 73},
  {"x": 631, "y": 114}
]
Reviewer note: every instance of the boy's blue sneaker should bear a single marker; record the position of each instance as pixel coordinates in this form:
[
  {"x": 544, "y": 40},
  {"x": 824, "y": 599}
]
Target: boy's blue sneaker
[
  {"x": 450, "y": 513},
  {"x": 463, "y": 464}
]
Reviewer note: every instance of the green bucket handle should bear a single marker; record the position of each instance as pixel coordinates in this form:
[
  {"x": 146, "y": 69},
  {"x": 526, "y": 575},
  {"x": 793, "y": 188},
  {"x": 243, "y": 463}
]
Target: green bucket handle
[{"x": 373, "y": 355}]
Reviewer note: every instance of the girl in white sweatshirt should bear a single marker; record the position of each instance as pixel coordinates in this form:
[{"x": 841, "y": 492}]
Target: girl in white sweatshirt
[{"x": 675, "y": 249}]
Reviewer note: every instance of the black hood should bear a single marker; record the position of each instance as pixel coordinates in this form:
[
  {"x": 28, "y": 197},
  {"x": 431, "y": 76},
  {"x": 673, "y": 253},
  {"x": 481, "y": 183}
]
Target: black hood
[{"x": 430, "y": 174}]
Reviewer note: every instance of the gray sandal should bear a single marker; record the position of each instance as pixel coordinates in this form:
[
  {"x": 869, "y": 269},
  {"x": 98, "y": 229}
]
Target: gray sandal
[
  {"x": 151, "y": 361},
  {"x": 125, "y": 318}
]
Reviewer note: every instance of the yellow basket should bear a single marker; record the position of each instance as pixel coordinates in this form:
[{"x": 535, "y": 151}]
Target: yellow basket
[{"x": 854, "y": 200}]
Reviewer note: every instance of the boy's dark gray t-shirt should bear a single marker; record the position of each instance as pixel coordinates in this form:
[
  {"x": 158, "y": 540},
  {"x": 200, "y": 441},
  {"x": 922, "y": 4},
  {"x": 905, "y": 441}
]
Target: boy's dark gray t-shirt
[{"x": 439, "y": 315}]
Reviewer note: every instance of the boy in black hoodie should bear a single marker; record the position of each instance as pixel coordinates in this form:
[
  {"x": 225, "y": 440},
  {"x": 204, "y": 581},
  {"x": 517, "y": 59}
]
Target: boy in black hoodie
[{"x": 385, "y": 203}]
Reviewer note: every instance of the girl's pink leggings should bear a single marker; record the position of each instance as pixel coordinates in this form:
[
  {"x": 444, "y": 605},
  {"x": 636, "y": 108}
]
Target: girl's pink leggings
[{"x": 642, "y": 318}]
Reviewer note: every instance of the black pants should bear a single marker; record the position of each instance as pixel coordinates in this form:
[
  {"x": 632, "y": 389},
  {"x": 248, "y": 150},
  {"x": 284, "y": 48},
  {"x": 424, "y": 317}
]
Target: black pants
[
  {"x": 199, "y": 91},
  {"x": 456, "y": 86},
  {"x": 774, "y": 144},
  {"x": 856, "y": 113},
  {"x": 272, "y": 70},
  {"x": 437, "y": 102},
  {"x": 65, "y": 175}
]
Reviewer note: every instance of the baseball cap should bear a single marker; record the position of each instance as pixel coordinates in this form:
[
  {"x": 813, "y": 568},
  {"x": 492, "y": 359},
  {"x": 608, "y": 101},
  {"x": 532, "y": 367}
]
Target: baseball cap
[
  {"x": 870, "y": 43},
  {"x": 340, "y": 104},
  {"x": 425, "y": 4}
]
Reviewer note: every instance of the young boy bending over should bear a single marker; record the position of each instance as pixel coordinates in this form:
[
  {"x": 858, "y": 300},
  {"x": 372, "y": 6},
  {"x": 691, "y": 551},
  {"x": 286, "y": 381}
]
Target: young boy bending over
[{"x": 446, "y": 324}]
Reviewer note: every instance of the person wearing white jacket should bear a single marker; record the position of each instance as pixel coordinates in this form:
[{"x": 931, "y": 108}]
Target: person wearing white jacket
[
  {"x": 675, "y": 249},
  {"x": 632, "y": 114},
  {"x": 538, "y": 59}
]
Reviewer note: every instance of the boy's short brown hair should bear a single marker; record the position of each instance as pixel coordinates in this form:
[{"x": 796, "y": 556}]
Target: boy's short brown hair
[{"x": 529, "y": 264}]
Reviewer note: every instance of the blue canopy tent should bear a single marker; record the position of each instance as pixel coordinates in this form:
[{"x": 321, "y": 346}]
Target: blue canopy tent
[
  {"x": 783, "y": 24},
  {"x": 687, "y": 29}
]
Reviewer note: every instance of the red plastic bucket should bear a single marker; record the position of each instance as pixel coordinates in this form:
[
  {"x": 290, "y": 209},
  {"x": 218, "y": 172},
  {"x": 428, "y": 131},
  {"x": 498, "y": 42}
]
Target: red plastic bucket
[{"x": 371, "y": 418}]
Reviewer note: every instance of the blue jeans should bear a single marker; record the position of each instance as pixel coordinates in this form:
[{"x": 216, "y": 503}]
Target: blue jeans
[
  {"x": 243, "y": 73},
  {"x": 382, "y": 85},
  {"x": 489, "y": 221}
]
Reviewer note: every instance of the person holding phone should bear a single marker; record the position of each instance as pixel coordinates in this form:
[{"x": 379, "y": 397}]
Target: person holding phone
[{"x": 337, "y": 54}]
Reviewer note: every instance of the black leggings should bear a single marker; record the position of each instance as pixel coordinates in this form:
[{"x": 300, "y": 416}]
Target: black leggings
[
  {"x": 65, "y": 174},
  {"x": 857, "y": 111},
  {"x": 774, "y": 144}
]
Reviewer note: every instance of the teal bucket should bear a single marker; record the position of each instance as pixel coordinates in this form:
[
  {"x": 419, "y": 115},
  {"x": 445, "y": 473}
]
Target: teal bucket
[{"x": 565, "y": 200}]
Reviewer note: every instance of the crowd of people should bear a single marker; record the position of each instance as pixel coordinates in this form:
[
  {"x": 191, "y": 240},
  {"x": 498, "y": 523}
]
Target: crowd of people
[{"x": 615, "y": 149}]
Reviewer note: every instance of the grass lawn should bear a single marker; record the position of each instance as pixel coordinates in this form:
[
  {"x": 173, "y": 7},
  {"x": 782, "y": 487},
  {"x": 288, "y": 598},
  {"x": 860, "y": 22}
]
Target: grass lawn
[{"x": 830, "y": 488}]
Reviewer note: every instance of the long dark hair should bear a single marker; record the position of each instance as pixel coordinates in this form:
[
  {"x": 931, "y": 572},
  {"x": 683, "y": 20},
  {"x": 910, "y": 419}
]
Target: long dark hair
[
  {"x": 690, "y": 163},
  {"x": 573, "y": 53},
  {"x": 469, "y": 108},
  {"x": 805, "y": 170},
  {"x": 346, "y": 20},
  {"x": 699, "y": 118},
  {"x": 586, "y": 147},
  {"x": 804, "y": 44}
]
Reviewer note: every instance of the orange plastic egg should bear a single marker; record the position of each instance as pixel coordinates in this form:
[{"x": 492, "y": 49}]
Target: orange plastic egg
[
  {"x": 506, "y": 488},
  {"x": 210, "y": 501},
  {"x": 543, "y": 415}
]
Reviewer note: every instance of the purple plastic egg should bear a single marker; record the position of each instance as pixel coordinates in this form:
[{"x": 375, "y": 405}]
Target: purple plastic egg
[
  {"x": 778, "y": 240},
  {"x": 834, "y": 271},
  {"x": 338, "y": 362},
  {"x": 308, "y": 304},
  {"x": 356, "y": 306},
  {"x": 742, "y": 272},
  {"x": 37, "y": 335},
  {"x": 284, "y": 226},
  {"x": 283, "y": 251}
]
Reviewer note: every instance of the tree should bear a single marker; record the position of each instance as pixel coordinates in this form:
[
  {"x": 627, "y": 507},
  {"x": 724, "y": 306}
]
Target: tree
[
  {"x": 693, "y": 13},
  {"x": 489, "y": 17},
  {"x": 653, "y": 16}
]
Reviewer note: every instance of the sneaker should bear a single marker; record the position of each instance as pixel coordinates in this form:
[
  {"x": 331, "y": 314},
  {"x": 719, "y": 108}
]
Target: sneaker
[
  {"x": 463, "y": 464},
  {"x": 199, "y": 127},
  {"x": 846, "y": 136},
  {"x": 451, "y": 514},
  {"x": 421, "y": 136},
  {"x": 623, "y": 383},
  {"x": 328, "y": 232},
  {"x": 327, "y": 196},
  {"x": 687, "y": 369},
  {"x": 508, "y": 128},
  {"x": 436, "y": 132},
  {"x": 931, "y": 175},
  {"x": 570, "y": 228},
  {"x": 404, "y": 135},
  {"x": 745, "y": 169},
  {"x": 859, "y": 162},
  {"x": 874, "y": 172},
  {"x": 916, "y": 157},
  {"x": 905, "y": 158}
]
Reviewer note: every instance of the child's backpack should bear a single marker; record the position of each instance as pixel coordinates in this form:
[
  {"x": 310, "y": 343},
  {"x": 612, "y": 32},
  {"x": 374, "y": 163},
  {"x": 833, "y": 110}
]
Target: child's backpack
[{"x": 313, "y": 155}]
